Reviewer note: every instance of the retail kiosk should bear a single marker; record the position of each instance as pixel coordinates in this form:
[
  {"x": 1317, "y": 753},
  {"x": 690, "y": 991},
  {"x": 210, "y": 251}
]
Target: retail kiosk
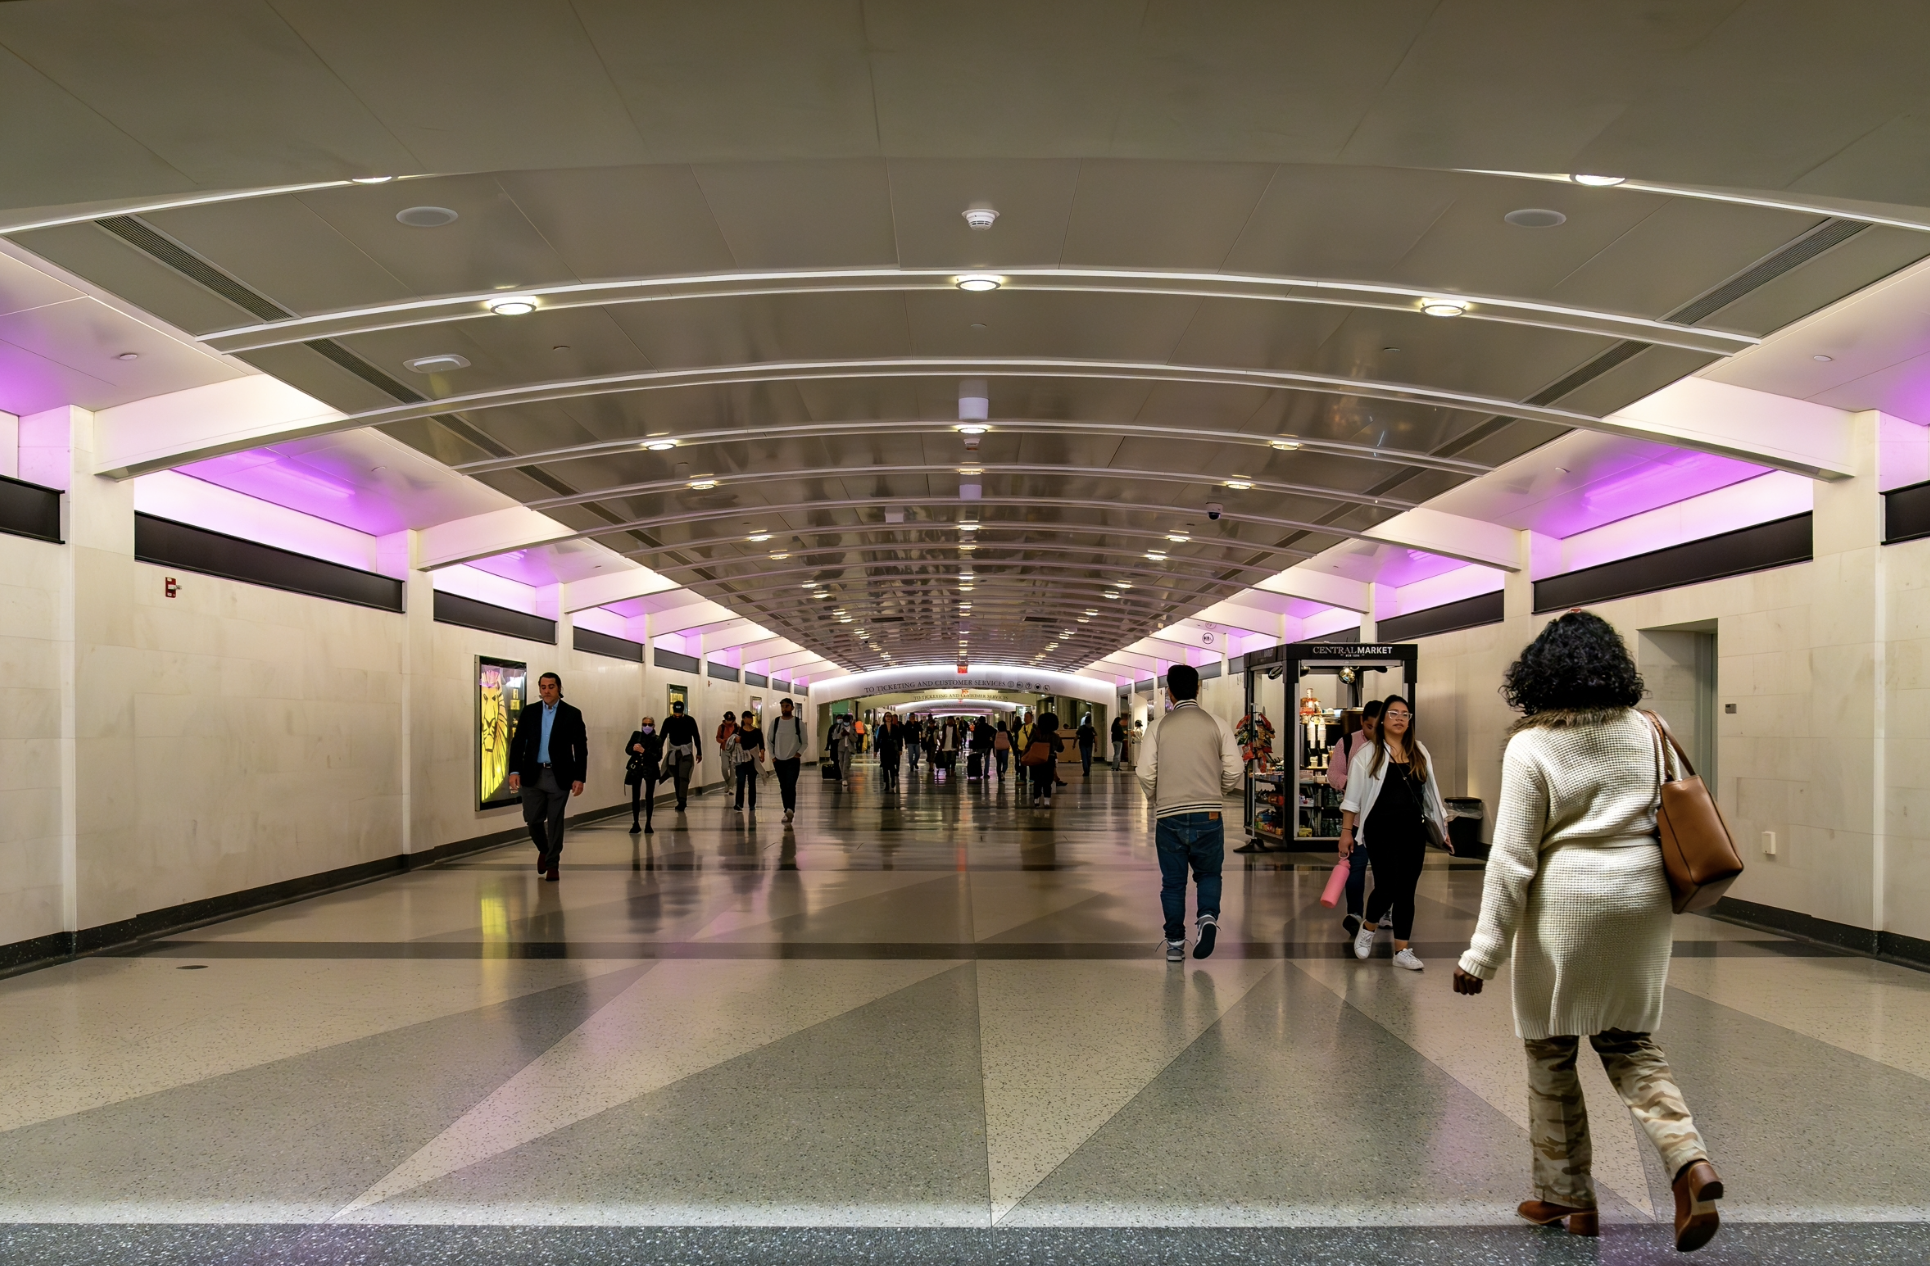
[{"x": 1301, "y": 699}]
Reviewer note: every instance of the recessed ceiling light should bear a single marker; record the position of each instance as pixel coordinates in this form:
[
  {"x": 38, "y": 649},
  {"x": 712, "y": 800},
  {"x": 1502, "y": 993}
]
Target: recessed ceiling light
[
  {"x": 968, "y": 527},
  {"x": 1091, "y": 611},
  {"x": 1822, "y": 356},
  {"x": 980, "y": 282},
  {"x": 973, "y": 428},
  {"x": 1157, "y": 556},
  {"x": 1444, "y": 307},
  {"x": 1285, "y": 444},
  {"x": 809, "y": 584},
  {"x": 513, "y": 305},
  {"x": 440, "y": 362},
  {"x": 758, "y": 538},
  {"x": 128, "y": 356},
  {"x": 1390, "y": 349},
  {"x": 971, "y": 470},
  {"x": 1535, "y": 218},
  {"x": 1582, "y": 178},
  {"x": 1069, "y": 633},
  {"x": 778, "y": 558},
  {"x": 1177, "y": 539},
  {"x": 1122, "y": 584},
  {"x": 703, "y": 485},
  {"x": 370, "y": 180},
  {"x": 1083, "y": 620},
  {"x": 426, "y": 217},
  {"x": 820, "y": 594},
  {"x": 966, "y": 588},
  {"x": 1239, "y": 485},
  {"x": 967, "y": 546},
  {"x": 844, "y": 619}
]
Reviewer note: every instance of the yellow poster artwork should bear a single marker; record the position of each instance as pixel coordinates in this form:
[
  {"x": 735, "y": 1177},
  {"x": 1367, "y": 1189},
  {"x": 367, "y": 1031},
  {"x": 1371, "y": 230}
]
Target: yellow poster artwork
[{"x": 499, "y": 702}]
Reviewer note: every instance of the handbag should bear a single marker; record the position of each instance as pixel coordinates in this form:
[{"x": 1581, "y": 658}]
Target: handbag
[
  {"x": 1036, "y": 754},
  {"x": 1697, "y": 850},
  {"x": 633, "y": 771}
]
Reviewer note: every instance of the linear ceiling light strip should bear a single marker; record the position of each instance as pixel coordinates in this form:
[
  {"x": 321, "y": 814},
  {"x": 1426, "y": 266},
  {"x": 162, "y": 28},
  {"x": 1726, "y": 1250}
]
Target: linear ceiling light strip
[
  {"x": 976, "y": 469},
  {"x": 905, "y": 426},
  {"x": 343, "y": 323},
  {"x": 947, "y": 366}
]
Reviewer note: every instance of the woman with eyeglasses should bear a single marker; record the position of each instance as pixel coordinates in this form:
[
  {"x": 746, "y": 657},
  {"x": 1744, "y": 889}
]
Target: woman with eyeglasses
[{"x": 1392, "y": 795}]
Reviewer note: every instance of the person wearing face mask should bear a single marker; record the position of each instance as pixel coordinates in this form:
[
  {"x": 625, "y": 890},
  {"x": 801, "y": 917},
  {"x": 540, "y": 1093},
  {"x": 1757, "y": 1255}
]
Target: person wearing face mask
[{"x": 646, "y": 763}]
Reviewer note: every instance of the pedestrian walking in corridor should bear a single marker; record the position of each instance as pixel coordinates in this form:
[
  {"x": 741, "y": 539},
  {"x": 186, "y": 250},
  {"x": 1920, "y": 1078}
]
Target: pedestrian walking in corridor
[
  {"x": 1575, "y": 883},
  {"x": 1189, "y": 763},
  {"x": 1392, "y": 796}
]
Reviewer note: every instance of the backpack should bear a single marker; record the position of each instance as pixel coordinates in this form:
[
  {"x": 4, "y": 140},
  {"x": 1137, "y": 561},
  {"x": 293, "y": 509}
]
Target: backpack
[{"x": 1001, "y": 742}]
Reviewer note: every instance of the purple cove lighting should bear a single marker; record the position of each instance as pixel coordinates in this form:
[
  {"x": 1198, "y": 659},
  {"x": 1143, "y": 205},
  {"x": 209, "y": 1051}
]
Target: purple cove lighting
[
  {"x": 601, "y": 620},
  {"x": 170, "y": 494},
  {"x": 1676, "y": 476},
  {"x": 1468, "y": 581},
  {"x": 1336, "y": 619},
  {"x": 285, "y": 481},
  {"x": 1775, "y": 495},
  {"x": 469, "y": 582}
]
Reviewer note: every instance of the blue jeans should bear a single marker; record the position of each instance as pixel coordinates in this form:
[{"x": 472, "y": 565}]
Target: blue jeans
[{"x": 1197, "y": 840}]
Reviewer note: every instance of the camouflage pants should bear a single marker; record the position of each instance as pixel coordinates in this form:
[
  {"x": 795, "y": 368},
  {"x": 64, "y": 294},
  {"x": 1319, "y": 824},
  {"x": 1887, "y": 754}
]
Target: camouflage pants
[{"x": 1558, "y": 1120}]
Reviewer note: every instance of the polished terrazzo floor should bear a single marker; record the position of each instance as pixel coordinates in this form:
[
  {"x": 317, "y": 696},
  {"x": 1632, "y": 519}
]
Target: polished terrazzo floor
[{"x": 929, "y": 1027}]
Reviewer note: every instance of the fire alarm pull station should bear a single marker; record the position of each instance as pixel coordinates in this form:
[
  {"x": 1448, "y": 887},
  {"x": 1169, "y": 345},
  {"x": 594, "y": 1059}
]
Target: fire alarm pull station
[{"x": 171, "y": 586}]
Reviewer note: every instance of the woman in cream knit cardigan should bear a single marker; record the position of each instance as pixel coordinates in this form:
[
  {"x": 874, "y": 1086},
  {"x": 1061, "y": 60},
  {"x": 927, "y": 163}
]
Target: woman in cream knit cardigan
[{"x": 1575, "y": 882}]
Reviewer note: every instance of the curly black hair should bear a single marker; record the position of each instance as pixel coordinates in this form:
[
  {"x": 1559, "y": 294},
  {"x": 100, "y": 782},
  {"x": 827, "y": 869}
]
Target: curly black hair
[{"x": 1579, "y": 661}]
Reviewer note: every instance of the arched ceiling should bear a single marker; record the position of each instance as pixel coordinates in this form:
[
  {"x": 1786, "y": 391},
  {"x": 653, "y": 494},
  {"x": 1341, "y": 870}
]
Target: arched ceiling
[{"x": 741, "y": 227}]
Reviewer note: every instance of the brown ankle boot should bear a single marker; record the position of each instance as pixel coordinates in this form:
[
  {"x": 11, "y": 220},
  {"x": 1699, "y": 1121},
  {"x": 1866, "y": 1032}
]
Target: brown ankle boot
[
  {"x": 1580, "y": 1221},
  {"x": 1697, "y": 1188}
]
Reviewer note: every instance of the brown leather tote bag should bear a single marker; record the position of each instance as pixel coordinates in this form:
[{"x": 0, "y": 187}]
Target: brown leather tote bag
[{"x": 1697, "y": 849}]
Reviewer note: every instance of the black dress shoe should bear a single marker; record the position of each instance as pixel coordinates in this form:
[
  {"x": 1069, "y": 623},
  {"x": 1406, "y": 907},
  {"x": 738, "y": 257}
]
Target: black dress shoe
[{"x": 636, "y": 828}]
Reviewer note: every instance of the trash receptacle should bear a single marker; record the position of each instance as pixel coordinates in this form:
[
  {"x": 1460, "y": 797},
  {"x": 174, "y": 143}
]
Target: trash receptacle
[{"x": 1465, "y": 815}]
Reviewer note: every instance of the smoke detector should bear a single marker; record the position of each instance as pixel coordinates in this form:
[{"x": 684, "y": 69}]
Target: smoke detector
[{"x": 980, "y": 217}]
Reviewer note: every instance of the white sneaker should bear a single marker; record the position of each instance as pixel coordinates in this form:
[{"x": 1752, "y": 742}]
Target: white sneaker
[
  {"x": 1387, "y": 920},
  {"x": 1407, "y": 958},
  {"x": 1364, "y": 942}
]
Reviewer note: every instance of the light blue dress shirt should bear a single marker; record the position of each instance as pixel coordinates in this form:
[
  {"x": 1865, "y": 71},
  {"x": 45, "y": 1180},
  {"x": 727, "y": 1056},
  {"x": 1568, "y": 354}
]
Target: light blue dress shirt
[{"x": 543, "y": 748}]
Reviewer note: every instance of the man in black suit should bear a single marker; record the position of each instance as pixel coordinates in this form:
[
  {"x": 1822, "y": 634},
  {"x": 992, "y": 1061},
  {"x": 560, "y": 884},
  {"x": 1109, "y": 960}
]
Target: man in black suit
[{"x": 550, "y": 752}]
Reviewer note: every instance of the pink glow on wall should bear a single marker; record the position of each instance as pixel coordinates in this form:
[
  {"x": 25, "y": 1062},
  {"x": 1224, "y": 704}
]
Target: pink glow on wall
[
  {"x": 1674, "y": 476},
  {"x": 1332, "y": 621},
  {"x": 285, "y": 481},
  {"x": 1776, "y": 495},
  {"x": 525, "y": 567},
  {"x": 672, "y": 642},
  {"x": 1468, "y": 581},
  {"x": 1903, "y": 453},
  {"x": 469, "y": 582},
  {"x": 598, "y": 620},
  {"x": 1408, "y": 566},
  {"x": 169, "y": 494}
]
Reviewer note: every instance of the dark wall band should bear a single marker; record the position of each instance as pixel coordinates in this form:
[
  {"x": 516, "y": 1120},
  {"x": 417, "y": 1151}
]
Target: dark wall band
[
  {"x": 1449, "y": 617},
  {"x": 452, "y": 608},
  {"x": 594, "y": 643},
  {"x": 166, "y": 543},
  {"x": 1759, "y": 548},
  {"x": 29, "y": 510}
]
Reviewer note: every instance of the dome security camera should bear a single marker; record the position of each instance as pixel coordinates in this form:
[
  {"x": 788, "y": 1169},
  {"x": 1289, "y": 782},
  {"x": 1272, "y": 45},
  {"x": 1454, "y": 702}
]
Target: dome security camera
[
  {"x": 980, "y": 217},
  {"x": 1213, "y": 510}
]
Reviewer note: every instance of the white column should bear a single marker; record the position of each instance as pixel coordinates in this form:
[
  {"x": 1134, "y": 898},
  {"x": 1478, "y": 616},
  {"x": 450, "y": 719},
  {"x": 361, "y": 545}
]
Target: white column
[{"x": 399, "y": 554}]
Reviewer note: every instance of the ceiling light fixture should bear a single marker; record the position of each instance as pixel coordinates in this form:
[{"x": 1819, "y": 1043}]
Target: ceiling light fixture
[
  {"x": 967, "y": 546},
  {"x": 702, "y": 485},
  {"x": 513, "y": 305},
  {"x": 440, "y": 362},
  {"x": 820, "y": 594},
  {"x": 1122, "y": 584},
  {"x": 978, "y": 283},
  {"x": 128, "y": 356},
  {"x": 844, "y": 619},
  {"x": 1444, "y": 307},
  {"x": 758, "y": 538},
  {"x": 1598, "y": 182},
  {"x": 968, "y": 527},
  {"x": 1177, "y": 539},
  {"x": 778, "y": 558},
  {"x": 1083, "y": 620},
  {"x": 972, "y": 428},
  {"x": 1091, "y": 611},
  {"x": 1535, "y": 218},
  {"x": 1285, "y": 444},
  {"x": 1240, "y": 485},
  {"x": 370, "y": 180},
  {"x": 659, "y": 446},
  {"x": 426, "y": 217},
  {"x": 1822, "y": 356},
  {"x": 1156, "y": 556}
]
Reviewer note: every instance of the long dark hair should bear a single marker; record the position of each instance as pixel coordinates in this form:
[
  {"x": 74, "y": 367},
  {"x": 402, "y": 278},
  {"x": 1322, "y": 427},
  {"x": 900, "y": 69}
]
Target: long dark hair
[{"x": 1416, "y": 758}]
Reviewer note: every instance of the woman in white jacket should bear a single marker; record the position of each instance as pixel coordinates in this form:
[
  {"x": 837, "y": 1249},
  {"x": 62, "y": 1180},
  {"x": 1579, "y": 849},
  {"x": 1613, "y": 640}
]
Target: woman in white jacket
[
  {"x": 1575, "y": 884},
  {"x": 1392, "y": 795}
]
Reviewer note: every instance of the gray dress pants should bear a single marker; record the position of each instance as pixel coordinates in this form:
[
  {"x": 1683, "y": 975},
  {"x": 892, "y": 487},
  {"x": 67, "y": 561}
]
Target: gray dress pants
[{"x": 543, "y": 807}]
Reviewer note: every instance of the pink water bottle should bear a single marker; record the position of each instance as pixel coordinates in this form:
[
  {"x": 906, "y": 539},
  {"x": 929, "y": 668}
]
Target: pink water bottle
[{"x": 1336, "y": 883}]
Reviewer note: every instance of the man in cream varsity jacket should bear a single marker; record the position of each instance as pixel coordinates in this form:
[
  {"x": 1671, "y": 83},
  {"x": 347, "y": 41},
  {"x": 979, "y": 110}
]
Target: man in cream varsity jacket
[{"x": 1189, "y": 762}]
